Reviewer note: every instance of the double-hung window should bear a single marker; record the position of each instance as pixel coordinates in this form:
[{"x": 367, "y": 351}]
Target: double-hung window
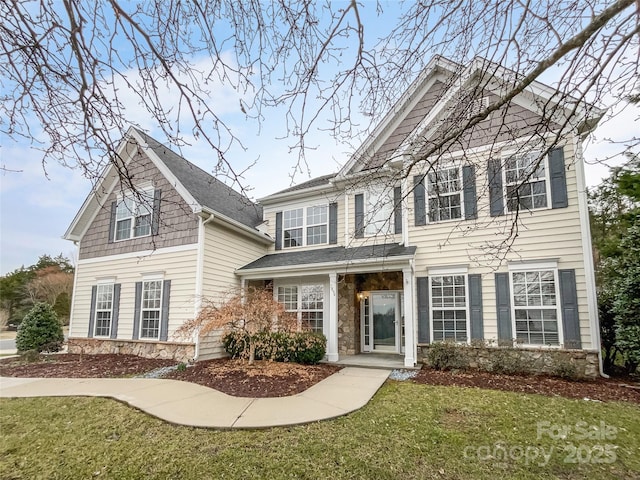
[
  {"x": 307, "y": 302},
  {"x": 151, "y": 308},
  {"x": 305, "y": 226},
  {"x": 535, "y": 305},
  {"x": 103, "y": 310},
  {"x": 133, "y": 215},
  {"x": 312, "y": 307},
  {"x": 526, "y": 181},
  {"x": 449, "y": 307},
  {"x": 444, "y": 194},
  {"x": 378, "y": 212}
]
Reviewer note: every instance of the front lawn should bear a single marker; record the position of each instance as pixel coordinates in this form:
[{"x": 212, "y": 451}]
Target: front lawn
[{"x": 406, "y": 431}]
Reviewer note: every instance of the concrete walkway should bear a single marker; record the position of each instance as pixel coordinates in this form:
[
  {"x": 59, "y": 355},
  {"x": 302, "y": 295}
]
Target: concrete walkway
[{"x": 186, "y": 403}]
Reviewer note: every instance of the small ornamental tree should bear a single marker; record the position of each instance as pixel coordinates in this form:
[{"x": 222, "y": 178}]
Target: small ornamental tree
[
  {"x": 248, "y": 313},
  {"x": 40, "y": 330}
]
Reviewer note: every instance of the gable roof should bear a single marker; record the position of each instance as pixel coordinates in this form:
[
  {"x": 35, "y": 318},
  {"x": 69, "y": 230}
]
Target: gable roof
[
  {"x": 201, "y": 190},
  {"x": 317, "y": 183},
  {"x": 372, "y": 153},
  {"x": 207, "y": 190}
]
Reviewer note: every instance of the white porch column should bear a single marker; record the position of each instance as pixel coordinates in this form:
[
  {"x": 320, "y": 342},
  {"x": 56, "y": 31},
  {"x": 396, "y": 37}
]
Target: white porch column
[
  {"x": 332, "y": 338},
  {"x": 409, "y": 324}
]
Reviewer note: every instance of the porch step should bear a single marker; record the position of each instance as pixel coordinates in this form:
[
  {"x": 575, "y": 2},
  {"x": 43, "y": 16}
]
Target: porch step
[{"x": 373, "y": 360}]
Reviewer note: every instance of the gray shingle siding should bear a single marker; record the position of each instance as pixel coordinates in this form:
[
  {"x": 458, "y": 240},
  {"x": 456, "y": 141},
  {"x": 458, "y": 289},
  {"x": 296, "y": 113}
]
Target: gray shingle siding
[{"x": 178, "y": 224}]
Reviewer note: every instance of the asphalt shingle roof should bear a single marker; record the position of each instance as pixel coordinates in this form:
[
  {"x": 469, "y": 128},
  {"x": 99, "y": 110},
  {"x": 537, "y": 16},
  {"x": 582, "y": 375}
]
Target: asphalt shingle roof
[
  {"x": 314, "y": 182},
  {"x": 207, "y": 190},
  {"x": 330, "y": 255}
]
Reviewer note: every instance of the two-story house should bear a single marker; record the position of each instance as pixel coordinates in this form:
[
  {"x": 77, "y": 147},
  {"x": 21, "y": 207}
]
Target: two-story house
[{"x": 426, "y": 234}]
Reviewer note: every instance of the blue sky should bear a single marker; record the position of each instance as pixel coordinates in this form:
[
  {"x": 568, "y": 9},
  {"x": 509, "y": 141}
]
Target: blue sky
[{"x": 38, "y": 203}]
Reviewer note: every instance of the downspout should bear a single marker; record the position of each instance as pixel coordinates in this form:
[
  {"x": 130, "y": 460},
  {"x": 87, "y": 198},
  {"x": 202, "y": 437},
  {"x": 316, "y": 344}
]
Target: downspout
[
  {"x": 199, "y": 279},
  {"x": 587, "y": 252}
]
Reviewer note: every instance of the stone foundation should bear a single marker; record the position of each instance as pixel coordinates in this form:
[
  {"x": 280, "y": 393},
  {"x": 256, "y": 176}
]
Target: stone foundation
[
  {"x": 348, "y": 318},
  {"x": 181, "y": 352},
  {"x": 526, "y": 360}
]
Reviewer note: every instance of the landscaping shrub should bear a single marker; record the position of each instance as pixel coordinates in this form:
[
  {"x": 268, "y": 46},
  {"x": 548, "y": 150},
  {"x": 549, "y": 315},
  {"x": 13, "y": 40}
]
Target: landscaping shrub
[
  {"x": 299, "y": 347},
  {"x": 565, "y": 369},
  {"x": 308, "y": 347},
  {"x": 628, "y": 340},
  {"x": 235, "y": 343},
  {"x": 40, "y": 330},
  {"x": 447, "y": 356},
  {"x": 504, "y": 360}
]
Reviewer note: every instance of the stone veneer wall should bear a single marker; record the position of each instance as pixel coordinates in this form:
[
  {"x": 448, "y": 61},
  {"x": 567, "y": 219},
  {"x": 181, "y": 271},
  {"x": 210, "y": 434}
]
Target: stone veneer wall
[
  {"x": 181, "y": 352},
  {"x": 532, "y": 360},
  {"x": 348, "y": 317}
]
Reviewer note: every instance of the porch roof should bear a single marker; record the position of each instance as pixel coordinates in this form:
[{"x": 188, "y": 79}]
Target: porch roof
[{"x": 339, "y": 256}]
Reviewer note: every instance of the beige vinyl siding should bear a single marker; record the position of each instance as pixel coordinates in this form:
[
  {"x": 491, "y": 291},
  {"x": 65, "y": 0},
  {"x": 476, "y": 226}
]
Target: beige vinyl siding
[
  {"x": 379, "y": 239},
  {"x": 224, "y": 252},
  {"x": 324, "y": 198},
  {"x": 177, "y": 266},
  {"x": 541, "y": 235}
]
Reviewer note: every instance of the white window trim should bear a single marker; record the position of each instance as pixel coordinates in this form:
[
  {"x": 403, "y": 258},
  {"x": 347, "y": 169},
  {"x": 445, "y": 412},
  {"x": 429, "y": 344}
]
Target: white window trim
[
  {"x": 460, "y": 192},
  {"x": 507, "y": 154},
  {"x": 305, "y": 225},
  {"x": 540, "y": 266},
  {"x": 153, "y": 278},
  {"x": 450, "y": 272},
  {"x": 368, "y": 217},
  {"x": 524, "y": 266},
  {"x": 144, "y": 189},
  {"x": 110, "y": 310},
  {"x": 105, "y": 280},
  {"x": 298, "y": 310}
]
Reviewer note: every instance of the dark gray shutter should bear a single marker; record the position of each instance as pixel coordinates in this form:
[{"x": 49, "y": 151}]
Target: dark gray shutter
[
  {"x": 423, "y": 309},
  {"x": 397, "y": 209},
  {"x": 469, "y": 190},
  {"x": 496, "y": 195},
  {"x": 279, "y": 231},
  {"x": 164, "y": 314},
  {"x": 112, "y": 221},
  {"x": 569, "y": 307},
  {"x": 503, "y": 308},
  {"x": 92, "y": 311},
  {"x": 155, "y": 218},
  {"x": 419, "y": 205},
  {"x": 359, "y": 214},
  {"x": 475, "y": 306},
  {"x": 333, "y": 223},
  {"x": 136, "y": 311},
  {"x": 115, "y": 313},
  {"x": 558, "y": 179}
]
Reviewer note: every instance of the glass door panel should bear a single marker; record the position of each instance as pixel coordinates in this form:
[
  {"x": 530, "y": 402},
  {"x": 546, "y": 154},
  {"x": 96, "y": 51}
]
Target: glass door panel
[{"x": 383, "y": 309}]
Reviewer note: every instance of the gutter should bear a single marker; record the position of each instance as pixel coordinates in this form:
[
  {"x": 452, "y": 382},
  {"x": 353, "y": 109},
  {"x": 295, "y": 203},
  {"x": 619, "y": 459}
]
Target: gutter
[
  {"x": 391, "y": 262},
  {"x": 237, "y": 226}
]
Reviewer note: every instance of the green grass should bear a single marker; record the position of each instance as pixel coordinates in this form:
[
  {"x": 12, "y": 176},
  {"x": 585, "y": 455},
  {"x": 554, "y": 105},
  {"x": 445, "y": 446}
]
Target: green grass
[{"x": 407, "y": 431}]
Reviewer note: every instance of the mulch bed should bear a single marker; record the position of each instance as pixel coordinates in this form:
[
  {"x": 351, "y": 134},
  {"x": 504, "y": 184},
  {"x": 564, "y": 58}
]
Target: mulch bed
[
  {"x": 601, "y": 389},
  {"x": 271, "y": 379},
  {"x": 233, "y": 377},
  {"x": 80, "y": 366},
  {"x": 263, "y": 379}
]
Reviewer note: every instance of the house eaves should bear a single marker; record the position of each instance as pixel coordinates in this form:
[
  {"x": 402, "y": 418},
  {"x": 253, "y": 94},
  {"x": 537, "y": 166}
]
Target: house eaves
[{"x": 295, "y": 193}]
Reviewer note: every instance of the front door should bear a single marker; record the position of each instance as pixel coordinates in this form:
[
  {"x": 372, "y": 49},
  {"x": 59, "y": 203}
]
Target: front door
[{"x": 382, "y": 322}]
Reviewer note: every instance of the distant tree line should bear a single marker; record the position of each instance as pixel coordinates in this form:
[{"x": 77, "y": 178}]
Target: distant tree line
[{"x": 49, "y": 280}]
